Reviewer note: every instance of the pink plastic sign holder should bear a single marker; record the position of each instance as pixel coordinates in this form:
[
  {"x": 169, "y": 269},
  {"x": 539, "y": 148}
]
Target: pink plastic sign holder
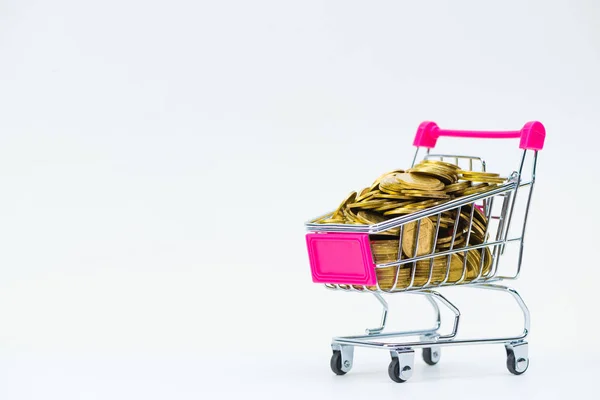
[{"x": 344, "y": 258}]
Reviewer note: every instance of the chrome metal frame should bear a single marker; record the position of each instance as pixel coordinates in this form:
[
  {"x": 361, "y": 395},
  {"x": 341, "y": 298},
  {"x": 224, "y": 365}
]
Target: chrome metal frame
[{"x": 496, "y": 239}]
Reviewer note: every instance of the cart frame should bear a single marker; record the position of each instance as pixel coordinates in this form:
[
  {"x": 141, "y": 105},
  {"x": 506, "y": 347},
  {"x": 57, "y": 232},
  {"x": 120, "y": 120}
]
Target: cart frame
[{"x": 432, "y": 340}]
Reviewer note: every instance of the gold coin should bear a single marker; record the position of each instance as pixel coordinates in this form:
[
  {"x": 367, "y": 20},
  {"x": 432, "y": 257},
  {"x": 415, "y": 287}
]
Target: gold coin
[
  {"x": 391, "y": 196},
  {"x": 478, "y": 219},
  {"x": 389, "y": 191},
  {"x": 479, "y": 188},
  {"x": 447, "y": 242},
  {"x": 390, "y": 183},
  {"x": 448, "y": 238},
  {"x": 487, "y": 261},
  {"x": 375, "y": 184},
  {"x": 446, "y": 179},
  {"x": 474, "y": 261},
  {"x": 457, "y": 186},
  {"x": 479, "y": 173},
  {"x": 367, "y": 204},
  {"x": 441, "y": 163},
  {"x": 438, "y": 165},
  {"x": 351, "y": 218},
  {"x": 331, "y": 221},
  {"x": 364, "y": 194},
  {"x": 400, "y": 211},
  {"x": 410, "y": 246},
  {"x": 391, "y": 205},
  {"x": 385, "y": 248},
  {"x": 484, "y": 179},
  {"x": 445, "y": 221},
  {"x": 476, "y": 238},
  {"x": 414, "y": 181},
  {"x": 361, "y": 219},
  {"x": 370, "y": 217},
  {"x": 422, "y": 193},
  {"x": 426, "y": 203},
  {"x": 476, "y": 225},
  {"x": 444, "y": 174},
  {"x": 479, "y": 215},
  {"x": 414, "y": 207}
]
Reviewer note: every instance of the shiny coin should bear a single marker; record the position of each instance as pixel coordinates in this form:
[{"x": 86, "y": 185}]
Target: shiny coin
[
  {"x": 476, "y": 238},
  {"x": 367, "y": 204},
  {"x": 484, "y": 179},
  {"x": 387, "y": 190},
  {"x": 375, "y": 184},
  {"x": 446, "y": 243},
  {"x": 443, "y": 239},
  {"x": 401, "y": 211},
  {"x": 331, "y": 221},
  {"x": 421, "y": 182},
  {"x": 364, "y": 194},
  {"x": 479, "y": 173},
  {"x": 445, "y": 174},
  {"x": 458, "y": 186},
  {"x": 476, "y": 225},
  {"x": 370, "y": 217},
  {"x": 414, "y": 207},
  {"x": 426, "y": 194},
  {"x": 351, "y": 218},
  {"x": 391, "y": 196},
  {"x": 478, "y": 214},
  {"x": 479, "y": 188},
  {"x": 441, "y": 163},
  {"x": 426, "y": 203},
  {"x": 413, "y": 247},
  {"x": 445, "y": 221},
  {"x": 392, "y": 204}
]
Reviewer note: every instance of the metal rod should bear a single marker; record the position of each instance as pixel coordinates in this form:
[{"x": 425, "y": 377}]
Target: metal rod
[
  {"x": 465, "y": 256},
  {"x": 381, "y": 327}
]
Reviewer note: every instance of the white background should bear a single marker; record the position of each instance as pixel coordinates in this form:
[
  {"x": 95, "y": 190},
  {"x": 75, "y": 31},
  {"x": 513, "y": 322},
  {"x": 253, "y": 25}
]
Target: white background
[{"x": 158, "y": 160}]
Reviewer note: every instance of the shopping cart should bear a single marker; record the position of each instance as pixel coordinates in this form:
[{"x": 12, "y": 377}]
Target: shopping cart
[{"x": 341, "y": 257}]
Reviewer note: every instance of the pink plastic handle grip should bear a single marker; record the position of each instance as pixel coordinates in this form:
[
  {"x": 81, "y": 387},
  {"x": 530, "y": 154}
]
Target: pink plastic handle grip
[{"x": 532, "y": 135}]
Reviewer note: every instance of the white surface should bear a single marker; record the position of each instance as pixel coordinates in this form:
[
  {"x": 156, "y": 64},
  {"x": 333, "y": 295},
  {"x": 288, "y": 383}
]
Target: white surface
[{"x": 152, "y": 153}]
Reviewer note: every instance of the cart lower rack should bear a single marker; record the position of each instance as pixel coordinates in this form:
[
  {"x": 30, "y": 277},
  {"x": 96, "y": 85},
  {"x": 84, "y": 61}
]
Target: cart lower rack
[{"x": 479, "y": 231}]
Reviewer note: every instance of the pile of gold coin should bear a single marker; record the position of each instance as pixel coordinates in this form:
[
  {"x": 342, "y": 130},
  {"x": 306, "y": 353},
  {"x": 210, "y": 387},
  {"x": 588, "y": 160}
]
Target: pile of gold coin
[{"x": 400, "y": 192}]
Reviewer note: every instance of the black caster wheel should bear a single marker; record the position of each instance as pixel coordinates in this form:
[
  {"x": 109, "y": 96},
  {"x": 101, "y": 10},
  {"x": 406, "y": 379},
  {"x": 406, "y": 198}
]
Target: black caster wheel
[
  {"x": 431, "y": 356},
  {"x": 336, "y": 363},
  {"x": 516, "y": 366},
  {"x": 401, "y": 367},
  {"x": 394, "y": 371}
]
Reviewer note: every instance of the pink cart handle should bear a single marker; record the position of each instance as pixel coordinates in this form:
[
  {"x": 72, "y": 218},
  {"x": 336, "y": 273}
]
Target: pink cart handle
[{"x": 532, "y": 135}]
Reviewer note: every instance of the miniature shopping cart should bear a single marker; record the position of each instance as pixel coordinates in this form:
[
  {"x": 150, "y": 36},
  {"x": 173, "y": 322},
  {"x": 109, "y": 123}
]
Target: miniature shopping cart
[{"x": 341, "y": 257}]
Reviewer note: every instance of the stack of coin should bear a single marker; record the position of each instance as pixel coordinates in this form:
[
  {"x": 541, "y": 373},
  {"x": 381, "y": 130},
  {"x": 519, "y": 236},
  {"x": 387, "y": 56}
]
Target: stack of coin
[{"x": 401, "y": 192}]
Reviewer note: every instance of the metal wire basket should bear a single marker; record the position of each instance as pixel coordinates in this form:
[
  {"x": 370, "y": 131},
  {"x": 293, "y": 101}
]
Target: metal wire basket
[{"x": 476, "y": 231}]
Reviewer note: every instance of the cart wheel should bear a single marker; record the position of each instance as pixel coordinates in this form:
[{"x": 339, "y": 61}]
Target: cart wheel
[
  {"x": 514, "y": 365},
  {"x": 394, "y": 371},
  {"x": 431, "y": 355},
  {"x": 336, "y": 363}
]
